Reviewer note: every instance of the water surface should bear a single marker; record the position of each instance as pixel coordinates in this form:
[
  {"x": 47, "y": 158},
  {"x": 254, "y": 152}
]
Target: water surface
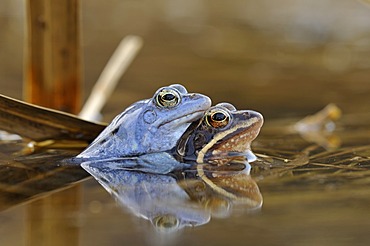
[{"x": 310, "y": 195}]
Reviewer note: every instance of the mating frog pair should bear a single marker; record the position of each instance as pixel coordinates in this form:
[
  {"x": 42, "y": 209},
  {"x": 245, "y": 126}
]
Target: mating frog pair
[{"x": 178, "y": 121}]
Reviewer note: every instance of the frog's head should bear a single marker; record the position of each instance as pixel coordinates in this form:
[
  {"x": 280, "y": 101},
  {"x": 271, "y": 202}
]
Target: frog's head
[
  {"x": 222, "y": 131},
  {"x": 167, "y": 116},
  {"x": 152, "y": 125}
]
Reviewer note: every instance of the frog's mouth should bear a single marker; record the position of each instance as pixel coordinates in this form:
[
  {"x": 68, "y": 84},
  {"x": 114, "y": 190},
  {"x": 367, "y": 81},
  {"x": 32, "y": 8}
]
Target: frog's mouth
[
  {"x": 247, "y": 133},
  {"x": 191, "y": 108},
  {"x": 236, "y": 142},
  {"x": 188, "y": 118},
  {"x": 239, "y": 139}
]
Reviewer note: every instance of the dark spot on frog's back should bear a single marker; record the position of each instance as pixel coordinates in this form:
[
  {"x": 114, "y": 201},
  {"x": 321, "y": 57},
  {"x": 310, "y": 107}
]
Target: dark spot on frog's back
[
  {"x": 102, "y": 141},
  {"x": 114, "y": 132},
  {"x": 119, "y": 132}
]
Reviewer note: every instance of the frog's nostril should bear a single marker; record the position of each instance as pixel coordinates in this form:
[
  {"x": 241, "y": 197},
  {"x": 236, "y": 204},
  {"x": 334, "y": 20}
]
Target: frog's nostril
[{"x": 192, "y": 96}]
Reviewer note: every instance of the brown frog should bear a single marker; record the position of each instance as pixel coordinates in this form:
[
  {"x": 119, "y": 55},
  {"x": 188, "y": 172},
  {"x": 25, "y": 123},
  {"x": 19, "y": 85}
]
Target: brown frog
[
  {"x": 222, "y": 132},
  {"x": 220, "y": 144}
]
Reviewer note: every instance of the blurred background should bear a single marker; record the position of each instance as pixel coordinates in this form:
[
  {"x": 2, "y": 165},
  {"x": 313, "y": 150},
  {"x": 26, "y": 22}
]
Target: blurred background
[{"x": 283, "y": 58}]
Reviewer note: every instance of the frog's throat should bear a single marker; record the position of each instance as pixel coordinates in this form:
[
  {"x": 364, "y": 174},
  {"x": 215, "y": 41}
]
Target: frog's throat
[{"x": 221, "y": 135}]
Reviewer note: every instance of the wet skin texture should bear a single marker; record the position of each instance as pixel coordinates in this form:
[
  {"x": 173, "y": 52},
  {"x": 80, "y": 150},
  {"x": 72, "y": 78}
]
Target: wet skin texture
[
  {"x": 149, "y": 126},
  {"x": 223, "y": 131},
  {"x": 222, "y": 134}
]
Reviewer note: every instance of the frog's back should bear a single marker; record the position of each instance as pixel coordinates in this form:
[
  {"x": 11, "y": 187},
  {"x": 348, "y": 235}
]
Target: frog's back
[
  {"x": 113, "y": 141},
  {"x": 149, "y": 126}
]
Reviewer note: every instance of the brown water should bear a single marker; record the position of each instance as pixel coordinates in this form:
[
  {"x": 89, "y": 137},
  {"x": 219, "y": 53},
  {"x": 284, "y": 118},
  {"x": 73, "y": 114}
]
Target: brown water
[
  {"x": 310, "y": 195},
  {"x": 285, "y": 60}
]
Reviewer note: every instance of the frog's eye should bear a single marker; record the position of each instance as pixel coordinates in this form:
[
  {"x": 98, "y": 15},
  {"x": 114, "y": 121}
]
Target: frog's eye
[
  {"x": 167, "y": 98},
  {"x": 217, "y": 118}
]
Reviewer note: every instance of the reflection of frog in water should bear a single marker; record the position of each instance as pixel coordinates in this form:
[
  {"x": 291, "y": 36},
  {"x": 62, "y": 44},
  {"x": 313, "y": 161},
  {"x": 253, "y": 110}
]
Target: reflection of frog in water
[
  {"x": 148, "y": 126},
  {"x": 155, "y": 197},
  {"x": 174, "y": 201}
]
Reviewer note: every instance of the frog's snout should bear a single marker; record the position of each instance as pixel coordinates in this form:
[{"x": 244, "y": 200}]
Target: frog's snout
[
  {"x": 197, "y": 96},
  {"x": 250, "y": 114}
]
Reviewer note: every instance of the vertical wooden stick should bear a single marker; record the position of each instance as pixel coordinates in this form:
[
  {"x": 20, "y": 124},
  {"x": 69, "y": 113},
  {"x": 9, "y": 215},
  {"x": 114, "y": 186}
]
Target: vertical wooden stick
[
  {"x": 53, "y": 54},
  {"x": 53, "y": 79}
]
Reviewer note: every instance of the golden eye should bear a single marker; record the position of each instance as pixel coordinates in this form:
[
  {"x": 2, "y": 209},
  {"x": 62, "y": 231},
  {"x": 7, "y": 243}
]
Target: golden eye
[
  {"x": 217, "y": 118},
  {"x": 167, "y": 98}
]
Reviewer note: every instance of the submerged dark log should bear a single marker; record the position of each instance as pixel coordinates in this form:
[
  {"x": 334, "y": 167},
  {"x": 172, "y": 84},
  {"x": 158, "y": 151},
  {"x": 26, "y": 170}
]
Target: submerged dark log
[{"x": 39, "y": 123}]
